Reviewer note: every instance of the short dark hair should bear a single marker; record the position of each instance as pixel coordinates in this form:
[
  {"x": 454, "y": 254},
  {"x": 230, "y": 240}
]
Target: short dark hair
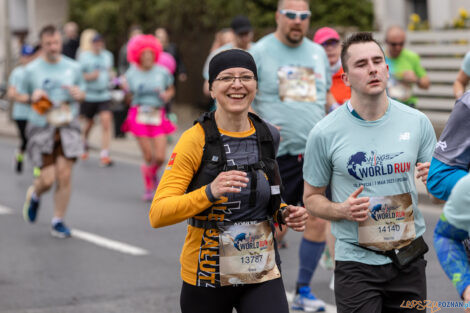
[
  {"x": 356, "y": 38},
  {"x": 48, "y": 30}
]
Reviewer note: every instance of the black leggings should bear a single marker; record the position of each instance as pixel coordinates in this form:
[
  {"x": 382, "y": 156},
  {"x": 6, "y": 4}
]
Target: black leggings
[
  {"x": 22, "y": 129},
  {"x": 269, "y": 297}
]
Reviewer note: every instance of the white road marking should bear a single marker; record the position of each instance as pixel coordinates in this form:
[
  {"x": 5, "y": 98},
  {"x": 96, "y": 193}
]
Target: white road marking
[
  {"x": 4, "y": 210},
  {"x": 108, "y": 243},
  {"x": 328, "y": 309}
]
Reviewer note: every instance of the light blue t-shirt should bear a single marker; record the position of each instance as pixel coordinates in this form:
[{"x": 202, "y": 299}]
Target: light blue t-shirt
[
  {"x": 53, "y": 78},
  {"x": 292, "y": 87},
  {"x": 457, "y": 208},
  {"x": 146, "y": 86},
  {"x": 21, "y": 110},
  {"x": 97, "y": 90},
  {"x": 348, "y": 152},
  {"x": 466, "y": 64},
  {"x": 205, "y": 69}
]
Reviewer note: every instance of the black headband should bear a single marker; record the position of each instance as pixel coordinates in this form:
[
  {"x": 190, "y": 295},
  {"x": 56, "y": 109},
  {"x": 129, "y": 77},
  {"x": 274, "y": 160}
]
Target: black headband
[{"x": 230, "y": 59}]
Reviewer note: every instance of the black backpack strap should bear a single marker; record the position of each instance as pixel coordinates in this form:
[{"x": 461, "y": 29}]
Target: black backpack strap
[
  {"x": 214, "y": 149},
  {"x": 265, "y": 138}
]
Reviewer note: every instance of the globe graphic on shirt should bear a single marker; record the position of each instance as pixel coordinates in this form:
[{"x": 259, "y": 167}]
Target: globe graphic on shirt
[{"x": 354, "y": 161}]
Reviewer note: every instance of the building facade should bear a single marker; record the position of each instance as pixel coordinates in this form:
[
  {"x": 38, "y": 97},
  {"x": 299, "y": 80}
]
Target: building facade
[
  {"x": 21, "y": 21},
  {"x": 438, "y": 13}
]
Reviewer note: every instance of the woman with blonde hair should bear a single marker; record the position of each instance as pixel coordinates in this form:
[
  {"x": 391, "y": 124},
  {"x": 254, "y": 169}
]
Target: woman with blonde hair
[{"x": 86, "y": 40}]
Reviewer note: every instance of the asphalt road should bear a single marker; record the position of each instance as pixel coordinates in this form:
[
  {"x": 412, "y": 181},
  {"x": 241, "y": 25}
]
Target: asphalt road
[{"x": 116, "y": 262}]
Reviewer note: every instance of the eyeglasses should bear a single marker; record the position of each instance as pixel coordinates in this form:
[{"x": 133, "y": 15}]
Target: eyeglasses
[
  {"x": 292, "y": 15},
  {"x": 396, "y": 44},
  {"x": 231, "y": 79},
  {"x": 330, "y": 43}
]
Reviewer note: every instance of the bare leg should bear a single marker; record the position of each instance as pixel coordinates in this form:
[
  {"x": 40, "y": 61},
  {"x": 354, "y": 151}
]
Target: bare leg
[
  {"x": 160, "y": 143},
  {"x": 87, "y": 128},
  {"x": 64, "y": 186},
  {"x": 45, "y": 180},
  {"x": 315, "y": 229},
  {"x": 105, "y": 119},
  {"x": 146, "y": 148}
]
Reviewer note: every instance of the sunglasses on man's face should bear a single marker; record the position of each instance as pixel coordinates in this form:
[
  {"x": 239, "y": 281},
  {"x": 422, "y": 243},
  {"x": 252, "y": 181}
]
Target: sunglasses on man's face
[
  {"x": 292, "y": 15},
  {"x": 330, "y": 43},
  {"x": 396, "y": 44}
]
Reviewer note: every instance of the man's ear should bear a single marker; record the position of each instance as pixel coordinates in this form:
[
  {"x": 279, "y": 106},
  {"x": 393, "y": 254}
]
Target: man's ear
[{"x": 345, "y": 79}]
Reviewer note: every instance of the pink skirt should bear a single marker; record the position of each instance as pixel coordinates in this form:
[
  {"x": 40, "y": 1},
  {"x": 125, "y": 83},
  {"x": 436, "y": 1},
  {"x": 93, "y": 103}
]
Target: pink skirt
[{"x": 144, "y": 130}]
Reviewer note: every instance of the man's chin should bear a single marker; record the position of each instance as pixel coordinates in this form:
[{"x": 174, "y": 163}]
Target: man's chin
[{"x": 294, "y": 39}]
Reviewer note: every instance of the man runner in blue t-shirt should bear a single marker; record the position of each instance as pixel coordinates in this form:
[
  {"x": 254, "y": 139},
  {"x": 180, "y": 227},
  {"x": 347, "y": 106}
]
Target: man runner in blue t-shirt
[{"x": 367, "y": 151}]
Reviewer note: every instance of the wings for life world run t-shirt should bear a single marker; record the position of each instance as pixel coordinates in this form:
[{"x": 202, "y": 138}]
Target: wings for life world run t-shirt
[
  {"x": 53, "y": 78},
  {"x": 146, "y": 86},
  {"x": 21, "y": 111},
  {"x": 97, "y": 90},
  {"x": 456, "y": 208},
  {"x": 292, "y": 87},
  {"x": 380, "y": 155}
]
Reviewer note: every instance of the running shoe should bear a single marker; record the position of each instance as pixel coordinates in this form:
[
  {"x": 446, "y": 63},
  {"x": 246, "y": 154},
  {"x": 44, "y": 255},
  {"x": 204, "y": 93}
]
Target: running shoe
[
  {"x": 84, "y": 155},
  {"x": 19, "y": 163},
  {"x": 306, "y": 301},
  {"x": 30, "y": 207},
  {"x": 106, "y": 162},
  {"x": 59, "y": 230}
]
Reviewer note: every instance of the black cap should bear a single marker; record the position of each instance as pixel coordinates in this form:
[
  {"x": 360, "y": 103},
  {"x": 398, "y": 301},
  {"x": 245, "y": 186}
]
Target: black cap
[
  {"x": 241, "y": 24},
  {"x": 230, "y": 59}
]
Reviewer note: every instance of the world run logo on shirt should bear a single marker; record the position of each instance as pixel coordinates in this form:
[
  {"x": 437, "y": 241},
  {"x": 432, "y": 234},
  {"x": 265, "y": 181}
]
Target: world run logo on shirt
[{"x": 366, "y": 165}]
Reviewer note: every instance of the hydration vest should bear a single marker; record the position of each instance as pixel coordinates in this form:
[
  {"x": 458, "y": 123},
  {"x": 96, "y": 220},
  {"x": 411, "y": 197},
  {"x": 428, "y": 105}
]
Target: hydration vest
[{"x": 214, "y": 161}]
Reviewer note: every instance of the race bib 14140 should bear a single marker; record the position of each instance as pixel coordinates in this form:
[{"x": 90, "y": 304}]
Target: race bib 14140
[{"x": 390, "y": 224}]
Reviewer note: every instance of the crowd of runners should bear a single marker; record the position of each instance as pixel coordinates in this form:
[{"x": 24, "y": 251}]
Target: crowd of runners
[{"x": 318, "y": 135}]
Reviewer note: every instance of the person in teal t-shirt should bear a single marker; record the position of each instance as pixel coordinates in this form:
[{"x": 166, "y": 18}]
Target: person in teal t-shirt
[
  {"x": 21, "y": 110},
  {"x": 405, "y": 68},
  {"x": 367, "y": 150},
  {"x": 151, "y": 86},
  {"x": 97, "y": 68},
  {"x": 54, "y": 85},
  {"x": 294, "y": 83},
  {"x": 451, "y": 231},
  {"x": 463, "y": 77}
]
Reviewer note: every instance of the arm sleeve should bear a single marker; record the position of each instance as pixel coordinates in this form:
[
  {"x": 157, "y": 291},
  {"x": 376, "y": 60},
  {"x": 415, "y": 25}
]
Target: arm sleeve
[
  {"x": 317, "y": 166},
  {"x": 466, "y": 64},
  {"x": 171, "y": 204},
  {"x": 169, "y": 79},
  {"x": 13, "y": 79},
  {"x": 24, "y": 86},
  {"x": 80, "y": 82},
  {"x": 442, "y": 178},
  {"x": 451, "y": 253},
  {"x": 428, "y": 140},
  {"x": 453, "y": 147}
]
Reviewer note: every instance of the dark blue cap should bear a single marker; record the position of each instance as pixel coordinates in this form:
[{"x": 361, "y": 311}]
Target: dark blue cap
[{"x": 27, "y": 50}]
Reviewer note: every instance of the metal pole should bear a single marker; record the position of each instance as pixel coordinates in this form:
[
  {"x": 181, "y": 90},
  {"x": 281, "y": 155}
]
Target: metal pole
[{"x": 8, "y": 61}]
